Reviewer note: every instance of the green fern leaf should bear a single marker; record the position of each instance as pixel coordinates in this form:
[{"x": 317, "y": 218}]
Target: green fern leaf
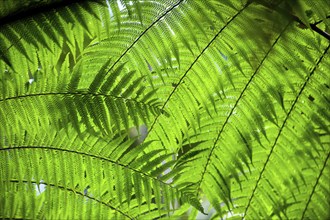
[{"x": 165, "y": 109}]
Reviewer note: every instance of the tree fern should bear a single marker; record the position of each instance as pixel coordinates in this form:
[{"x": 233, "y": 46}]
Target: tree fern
[{"x": 164, "y": 109}]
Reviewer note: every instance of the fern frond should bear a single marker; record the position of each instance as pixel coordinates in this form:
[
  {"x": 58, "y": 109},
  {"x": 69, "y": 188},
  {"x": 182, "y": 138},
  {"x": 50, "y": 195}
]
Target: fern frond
[
  {"x": 85, "y": 183},
  {"x": 142, "y": 109}
]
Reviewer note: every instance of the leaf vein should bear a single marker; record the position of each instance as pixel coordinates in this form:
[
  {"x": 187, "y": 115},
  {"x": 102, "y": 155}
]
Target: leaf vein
[
  {"x": 281, "y": 129},
  {"x": 89, "y": 155},
  {"x": 193, "y": 63},
  {"x": 236, "y": 103},
  {"x": 75, "y": 192}
]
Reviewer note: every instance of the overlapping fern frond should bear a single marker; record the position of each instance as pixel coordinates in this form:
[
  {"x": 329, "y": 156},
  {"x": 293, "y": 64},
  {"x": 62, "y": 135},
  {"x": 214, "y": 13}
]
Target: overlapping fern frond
[{"x": 129, "y": 109}]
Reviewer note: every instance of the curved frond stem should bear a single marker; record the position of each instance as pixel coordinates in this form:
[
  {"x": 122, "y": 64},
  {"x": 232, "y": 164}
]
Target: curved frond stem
[
  {"x": 89, "y": 155},
  {"x": 143, "y": 33},
  {"x": 236, "y": 104},
  {"x": 75, "y": 192},
  {"x": 280, "y": 131},
  {"x": 68, "y": 94},
  {"x": 315, "y": 185},
  {"x": 194, "y": 62}
]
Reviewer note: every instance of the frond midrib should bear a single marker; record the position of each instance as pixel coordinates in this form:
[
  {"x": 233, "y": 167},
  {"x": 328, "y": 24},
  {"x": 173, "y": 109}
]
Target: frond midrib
[
  {"x": 126, "y": 166},
  {"x": 193, "y": 63},
  {"x": 281, "y": 129},
  {"x": 236, "y": 104},
  {"x": 315, "y": 185},
  {"x": 143, "y": 33},
  {"x": 73, "y": 191},
  {"x": 74, "y": 94}
]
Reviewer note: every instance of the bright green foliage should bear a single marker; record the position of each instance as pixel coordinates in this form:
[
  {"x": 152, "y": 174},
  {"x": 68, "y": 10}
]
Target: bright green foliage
[{"x": 234, "y": 94}]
